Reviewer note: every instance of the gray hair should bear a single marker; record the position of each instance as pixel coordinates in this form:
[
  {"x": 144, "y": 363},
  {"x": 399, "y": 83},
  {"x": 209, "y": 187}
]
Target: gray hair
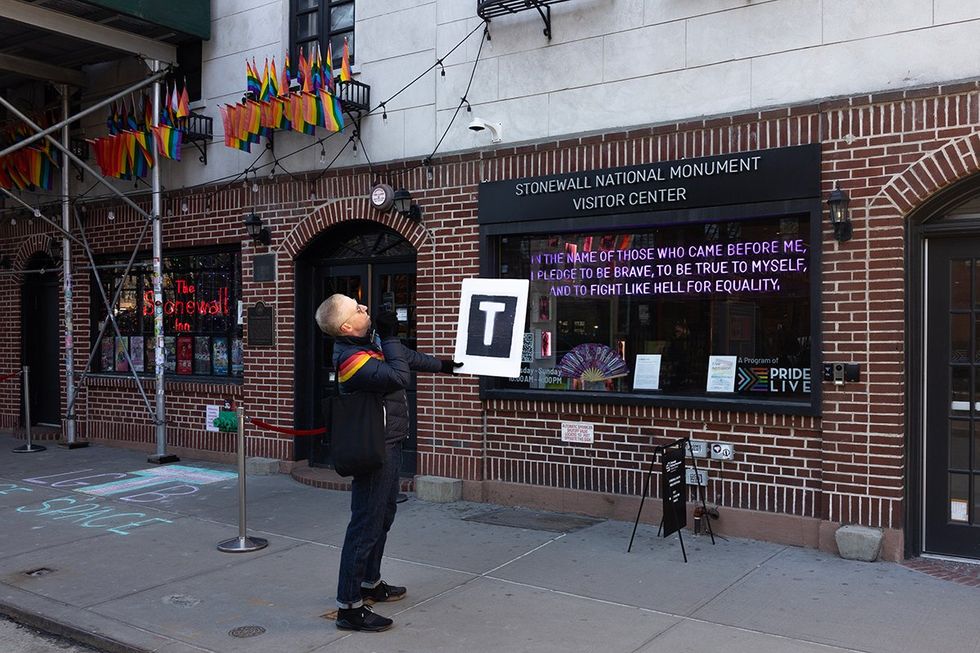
[{"x": 331, "y": 314}]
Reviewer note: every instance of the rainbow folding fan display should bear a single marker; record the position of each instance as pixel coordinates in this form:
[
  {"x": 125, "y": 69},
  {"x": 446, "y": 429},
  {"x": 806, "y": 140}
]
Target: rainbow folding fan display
[{"x": 592, "y": 362}]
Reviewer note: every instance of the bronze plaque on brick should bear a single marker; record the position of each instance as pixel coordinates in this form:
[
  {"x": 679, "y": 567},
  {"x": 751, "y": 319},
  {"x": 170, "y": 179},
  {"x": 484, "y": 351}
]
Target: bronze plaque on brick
[
  {"x": 264, "y": 267},
  {"x": 261, "y": 325}
]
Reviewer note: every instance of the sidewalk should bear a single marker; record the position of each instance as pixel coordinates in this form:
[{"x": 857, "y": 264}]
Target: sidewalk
[{"x": 127, "y": 561}]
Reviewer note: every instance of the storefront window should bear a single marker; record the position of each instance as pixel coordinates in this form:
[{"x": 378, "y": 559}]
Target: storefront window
[
  {"x": 699, "y": 309},
  {"x": 202, "y": 334}
]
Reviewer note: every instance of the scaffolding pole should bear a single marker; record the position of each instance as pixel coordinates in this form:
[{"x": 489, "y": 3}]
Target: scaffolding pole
[
  {"x": 66, "y": 275},
  {"x": 158, "y": 350}
]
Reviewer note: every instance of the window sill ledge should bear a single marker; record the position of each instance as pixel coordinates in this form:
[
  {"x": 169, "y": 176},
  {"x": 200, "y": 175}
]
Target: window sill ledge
[{"x": 206, "y": 385}]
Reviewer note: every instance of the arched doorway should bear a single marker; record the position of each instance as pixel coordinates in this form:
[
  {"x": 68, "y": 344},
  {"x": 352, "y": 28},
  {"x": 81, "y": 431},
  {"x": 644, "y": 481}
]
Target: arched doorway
[
  {"x": 376, "y": 266},
  {"x": 39, "y": 339},
  {"x": 945, "y": 377}
]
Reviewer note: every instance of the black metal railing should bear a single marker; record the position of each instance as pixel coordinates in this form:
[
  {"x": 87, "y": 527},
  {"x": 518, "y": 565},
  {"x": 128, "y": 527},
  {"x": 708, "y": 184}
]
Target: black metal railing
[
  {"x": 198, "y": 131},
  {"x": 487, "y": 9},
  {"x": 354, "y": 96}
]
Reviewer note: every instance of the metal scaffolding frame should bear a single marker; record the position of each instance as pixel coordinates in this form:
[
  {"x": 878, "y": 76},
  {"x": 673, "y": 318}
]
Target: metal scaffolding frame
[{"x": 159, "y": 57}]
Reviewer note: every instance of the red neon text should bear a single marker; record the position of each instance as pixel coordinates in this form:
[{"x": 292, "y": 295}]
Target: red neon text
[{"x": 182, "y": 307}]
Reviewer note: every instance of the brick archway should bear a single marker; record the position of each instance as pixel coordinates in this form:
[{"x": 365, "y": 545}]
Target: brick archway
[
  {"x": 338, "y": 211},
  {"x": 28, "y": 248},
  {"x": 932, "y": 173}
]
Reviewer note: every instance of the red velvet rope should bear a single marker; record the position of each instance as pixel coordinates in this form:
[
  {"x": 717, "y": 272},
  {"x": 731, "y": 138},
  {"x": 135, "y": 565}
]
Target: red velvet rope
[
  {"x": 9, "y": 376},
  {"x": 270, "y": 427}
]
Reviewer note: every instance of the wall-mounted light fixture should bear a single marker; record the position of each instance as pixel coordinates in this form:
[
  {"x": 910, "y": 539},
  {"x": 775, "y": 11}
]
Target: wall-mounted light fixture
[
  {"x": 260, "y": 234},
  {"x": 54, "y": 248},
  {"x": 404, "y": 205},
  {"x": 839, "y": 215}
]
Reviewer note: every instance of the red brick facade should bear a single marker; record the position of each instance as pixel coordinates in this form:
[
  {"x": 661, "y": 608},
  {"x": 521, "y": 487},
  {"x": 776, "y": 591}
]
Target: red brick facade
[{"x": 889, "y": 152}]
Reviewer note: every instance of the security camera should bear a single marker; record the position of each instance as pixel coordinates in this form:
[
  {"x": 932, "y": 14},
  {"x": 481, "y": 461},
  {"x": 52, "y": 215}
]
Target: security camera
[{"x": 496, "y": 130}]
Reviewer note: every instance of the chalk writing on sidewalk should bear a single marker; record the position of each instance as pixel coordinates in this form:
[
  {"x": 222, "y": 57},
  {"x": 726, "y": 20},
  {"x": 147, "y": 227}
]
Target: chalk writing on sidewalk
[
  {"x": 140, "y": 486},
  {"x": 7, "y": 488},
  {"x": 167, "y": 482},
  {"x": 91, "y": 515}
]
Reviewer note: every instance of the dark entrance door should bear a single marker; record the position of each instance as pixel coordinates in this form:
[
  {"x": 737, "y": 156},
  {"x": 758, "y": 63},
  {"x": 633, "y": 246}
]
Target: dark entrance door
[
  {"x": 952, "y": 422},
  {"x": 375, "y": 266},
  {"x": 39, "y": 321}
]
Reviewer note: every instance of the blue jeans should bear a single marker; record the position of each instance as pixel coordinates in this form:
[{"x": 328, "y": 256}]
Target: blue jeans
[{"x": 372, "y": 508}]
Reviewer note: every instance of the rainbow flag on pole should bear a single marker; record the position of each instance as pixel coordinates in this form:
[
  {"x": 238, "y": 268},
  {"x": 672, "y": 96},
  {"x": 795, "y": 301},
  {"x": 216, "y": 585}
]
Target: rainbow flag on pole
[
  {"x": 345, "y": 75},
  {"x": 168, "y": 141},
  {"x": 332, "y": 114}
]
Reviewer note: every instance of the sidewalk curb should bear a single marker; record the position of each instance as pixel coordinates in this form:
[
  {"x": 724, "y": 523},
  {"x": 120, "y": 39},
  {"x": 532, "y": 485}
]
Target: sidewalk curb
[{"x": 57, "y": 618}]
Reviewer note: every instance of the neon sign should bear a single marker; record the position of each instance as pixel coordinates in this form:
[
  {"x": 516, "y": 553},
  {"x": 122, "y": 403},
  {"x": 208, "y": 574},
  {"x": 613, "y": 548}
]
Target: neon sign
[
  {"x": 180, "y": 307},
  {"x": 751, "y": 266}
]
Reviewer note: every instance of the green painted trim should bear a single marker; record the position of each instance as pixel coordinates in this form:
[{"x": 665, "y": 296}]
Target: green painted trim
[{"x": 191, "y": 17}]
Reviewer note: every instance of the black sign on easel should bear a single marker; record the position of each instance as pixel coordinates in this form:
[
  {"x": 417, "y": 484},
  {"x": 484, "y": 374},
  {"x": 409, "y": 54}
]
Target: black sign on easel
[{"x": 673, "y": 491}]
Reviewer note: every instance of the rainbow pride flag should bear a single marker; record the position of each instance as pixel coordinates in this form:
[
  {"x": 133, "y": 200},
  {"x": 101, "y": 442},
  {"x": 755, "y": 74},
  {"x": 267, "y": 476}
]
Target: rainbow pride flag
[
  {"x": 345, "y": 75},
  {"x": 332, "y": 114},
  {"x": 168, "y": 141}
]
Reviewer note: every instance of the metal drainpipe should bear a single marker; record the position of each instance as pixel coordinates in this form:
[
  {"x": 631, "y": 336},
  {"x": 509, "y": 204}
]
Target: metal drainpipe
[{"x": 483, "y": 475}]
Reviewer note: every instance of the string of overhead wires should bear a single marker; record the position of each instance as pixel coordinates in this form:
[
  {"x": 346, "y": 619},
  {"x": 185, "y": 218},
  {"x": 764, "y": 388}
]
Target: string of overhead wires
[
  {"x": 254, "y": 167},
  {"x": 463, "y": 99}
]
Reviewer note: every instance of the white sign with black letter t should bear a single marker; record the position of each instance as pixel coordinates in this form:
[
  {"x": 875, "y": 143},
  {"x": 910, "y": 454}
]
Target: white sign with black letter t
[{"x": 490, "y": 333}]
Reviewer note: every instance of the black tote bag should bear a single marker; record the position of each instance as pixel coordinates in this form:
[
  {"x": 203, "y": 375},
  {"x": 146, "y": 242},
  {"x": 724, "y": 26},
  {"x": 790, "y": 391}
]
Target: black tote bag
[{"x": 356, "y": 425}]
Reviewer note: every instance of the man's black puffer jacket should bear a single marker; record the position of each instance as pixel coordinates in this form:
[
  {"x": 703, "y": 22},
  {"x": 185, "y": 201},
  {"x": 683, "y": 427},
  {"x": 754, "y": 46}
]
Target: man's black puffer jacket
[{"x": 366, "y": 365}]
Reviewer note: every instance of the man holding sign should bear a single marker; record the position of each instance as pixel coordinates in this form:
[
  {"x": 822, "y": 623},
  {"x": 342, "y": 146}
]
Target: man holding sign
[{"x": 372, "y": 361}]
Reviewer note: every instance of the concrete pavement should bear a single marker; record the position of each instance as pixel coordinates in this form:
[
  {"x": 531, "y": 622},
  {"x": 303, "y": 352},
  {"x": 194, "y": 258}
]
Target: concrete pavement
[{"x": 99, "y": 544}]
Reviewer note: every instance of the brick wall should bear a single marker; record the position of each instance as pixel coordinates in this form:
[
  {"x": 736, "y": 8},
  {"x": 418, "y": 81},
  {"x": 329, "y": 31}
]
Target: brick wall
[{"x": 889, "y": 152}]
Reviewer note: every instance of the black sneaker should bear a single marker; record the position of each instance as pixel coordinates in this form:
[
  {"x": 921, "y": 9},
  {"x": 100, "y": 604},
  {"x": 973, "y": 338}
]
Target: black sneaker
[
  {"x": 363, "y": 619},
  {"x": 383, "y": 593}
]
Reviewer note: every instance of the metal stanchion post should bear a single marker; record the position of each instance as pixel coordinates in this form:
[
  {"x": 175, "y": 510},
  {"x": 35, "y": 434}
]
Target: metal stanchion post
[
  {"x": 242, "y": 544},
  {"x": 29, "y": 447}
]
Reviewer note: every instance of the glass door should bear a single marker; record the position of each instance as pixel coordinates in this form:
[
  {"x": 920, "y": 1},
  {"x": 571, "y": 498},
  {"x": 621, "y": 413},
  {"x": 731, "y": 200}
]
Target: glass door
[
  {"x": 375, "y": 266},
  {"x": 952, "y": 440},
  {"x": 381, "y": 287}
]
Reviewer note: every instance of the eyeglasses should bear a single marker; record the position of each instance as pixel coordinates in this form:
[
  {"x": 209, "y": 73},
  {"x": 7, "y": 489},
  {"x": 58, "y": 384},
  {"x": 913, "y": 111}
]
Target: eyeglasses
[{"x": 360, "y": 308}]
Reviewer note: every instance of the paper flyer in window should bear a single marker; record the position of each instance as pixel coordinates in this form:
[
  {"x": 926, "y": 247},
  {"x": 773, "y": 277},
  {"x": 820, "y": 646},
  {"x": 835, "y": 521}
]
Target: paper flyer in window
[
  {"x": 237, "y": 359},
  {"x": 170, "y": 354},
  {"x": 646, "y": 372},
  {"x": 149, "y": 356},
  {"x": 202, "y": 355},
  {"x": 108, "y": 355},
  {"x": 959, "y": 510},
  {"x": 721, "y": 373},
  {"x": 136, "y": 352},
  {"x": 219, "y": 352},
  {"x": 185, "y": 355},
  {"x": 122, "y": 344}
]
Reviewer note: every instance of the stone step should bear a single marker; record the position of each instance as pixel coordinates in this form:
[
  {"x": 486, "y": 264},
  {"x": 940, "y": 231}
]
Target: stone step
[{"x": 327, "y": 479}]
